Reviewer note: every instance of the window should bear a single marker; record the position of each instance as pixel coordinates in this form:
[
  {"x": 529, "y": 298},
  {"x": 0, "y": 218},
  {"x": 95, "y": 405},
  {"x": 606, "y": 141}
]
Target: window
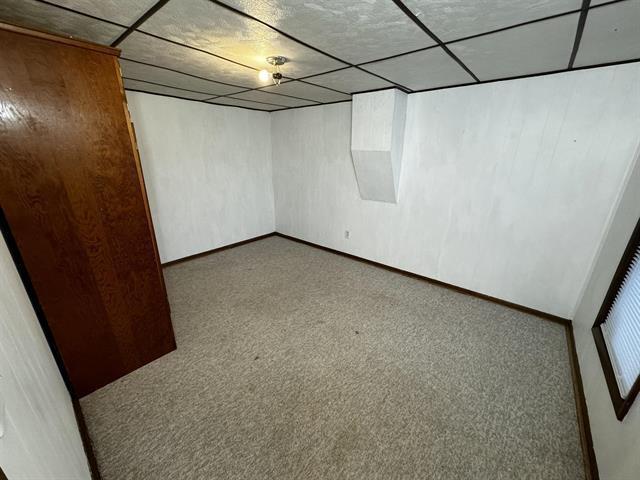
[{"x": 617, "y": 330}]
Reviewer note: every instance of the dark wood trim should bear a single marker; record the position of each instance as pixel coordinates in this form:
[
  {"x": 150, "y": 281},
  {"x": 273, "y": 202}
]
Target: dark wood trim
[
  {"x": 37, "y": 308},
  {"x": 515, "y": 306},
  {"x": 586, "y": 442},
  {"x": 582, "y": 20},
  {"x": 143, "y": 186},
  {"x": 219, "y": 249},
  {"x": 547, "y": 316},
  {"x": 2, "y": 475},
  {"x": 16, "y": 256},
  {"x": 36, "y": 33},
  {"x": 86, "y": 440},
  {"x": 582, "y": 414},
  {"x": 143, "y": 18},
  {"x": 620, "y": 405}
]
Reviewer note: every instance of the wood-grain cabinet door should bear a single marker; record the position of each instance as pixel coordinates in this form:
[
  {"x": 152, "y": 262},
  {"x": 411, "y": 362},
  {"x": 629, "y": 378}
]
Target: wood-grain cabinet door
[{"x": 72, "y": 195}]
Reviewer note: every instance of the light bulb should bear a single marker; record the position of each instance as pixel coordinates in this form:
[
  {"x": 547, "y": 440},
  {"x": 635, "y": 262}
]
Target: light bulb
[{"x": 264, "y": 75}]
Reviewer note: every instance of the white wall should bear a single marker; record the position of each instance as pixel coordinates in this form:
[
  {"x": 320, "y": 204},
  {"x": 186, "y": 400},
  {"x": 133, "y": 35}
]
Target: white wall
[
  {"x": 505, "y": 187},
  {"x": 41, "y": 438},
  {"x": 207, "y": 171},
  {"x": 615, "y": 443}
]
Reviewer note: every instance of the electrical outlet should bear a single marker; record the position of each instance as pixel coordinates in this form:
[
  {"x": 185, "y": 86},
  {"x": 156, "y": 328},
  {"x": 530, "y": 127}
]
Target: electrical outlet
[{"x": 346, "y": 234}]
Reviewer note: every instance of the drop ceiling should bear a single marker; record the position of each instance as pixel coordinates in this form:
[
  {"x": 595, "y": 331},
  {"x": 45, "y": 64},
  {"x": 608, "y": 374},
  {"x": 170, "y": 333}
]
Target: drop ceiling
[{"x": 211, "y": 51}]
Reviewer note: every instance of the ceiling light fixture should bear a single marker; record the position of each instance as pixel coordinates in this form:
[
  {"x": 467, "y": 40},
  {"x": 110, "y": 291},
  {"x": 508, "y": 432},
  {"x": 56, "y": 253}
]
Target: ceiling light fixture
[{"x": 276, "y": 61}]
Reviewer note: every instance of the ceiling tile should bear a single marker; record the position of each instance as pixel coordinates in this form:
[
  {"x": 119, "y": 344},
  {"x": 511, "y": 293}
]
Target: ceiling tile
[
  {"x": 272, "y": 98},
  {"x": 203, "y": 24},
  {"x": 356, "y": 31},
  {"x": 125, "y": 12},
  {"x": 304, "y": 90},
  {"x": 159, "y": 75},
  {"x": 350, "y": 80},
  {"x": 430, "y": 68},
  {"x": 147, "y": 49},
  {"x": 533, "y": 48},
  {"x": 612, "y": 33},
  {"x": 235, "y": 102},
  {"x": 150, "y": 87},
  {"x": 454, "y": 19},
  {"x": 32, "y": 14}
]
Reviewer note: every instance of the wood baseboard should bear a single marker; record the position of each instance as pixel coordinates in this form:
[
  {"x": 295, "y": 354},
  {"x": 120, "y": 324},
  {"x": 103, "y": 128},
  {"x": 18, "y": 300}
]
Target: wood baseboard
[
  {"x": 515, "y": 306},
  {"x": 584, "y": 428},
  {"x": 589, "y": 459},
  {"x": 586, "y": 442},
  {"x": 219, "y": 249},
  {"x": 86, "y": 440}
]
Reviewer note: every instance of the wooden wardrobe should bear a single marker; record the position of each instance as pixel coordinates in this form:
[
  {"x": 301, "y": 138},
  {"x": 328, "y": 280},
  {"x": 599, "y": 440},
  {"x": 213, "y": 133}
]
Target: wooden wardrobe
[{"x": 74, "y": 205}]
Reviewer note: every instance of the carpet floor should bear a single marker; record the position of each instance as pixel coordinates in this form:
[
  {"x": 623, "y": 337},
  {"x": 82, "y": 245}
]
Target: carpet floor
[{"x": 296, "y": 363}]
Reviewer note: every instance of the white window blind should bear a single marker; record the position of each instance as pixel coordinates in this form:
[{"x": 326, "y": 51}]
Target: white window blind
[{"x": 621, "y": 329}]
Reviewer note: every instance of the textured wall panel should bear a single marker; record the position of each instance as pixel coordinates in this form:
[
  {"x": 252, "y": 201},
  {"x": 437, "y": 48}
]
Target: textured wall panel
[
  {"x": 614, "y": 442},
  {"x": 505, "y": 187},
  {"x": 41, "y": 438},
  {"x": 207, "y": 171},
  {"x": 377, "y": 138}
]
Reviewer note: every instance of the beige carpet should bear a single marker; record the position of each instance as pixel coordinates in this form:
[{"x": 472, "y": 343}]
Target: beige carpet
[{"x": 295, "y": 363}]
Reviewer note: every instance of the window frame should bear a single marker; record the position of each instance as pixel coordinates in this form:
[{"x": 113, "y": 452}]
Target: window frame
[{"x": 620, "y": 405}]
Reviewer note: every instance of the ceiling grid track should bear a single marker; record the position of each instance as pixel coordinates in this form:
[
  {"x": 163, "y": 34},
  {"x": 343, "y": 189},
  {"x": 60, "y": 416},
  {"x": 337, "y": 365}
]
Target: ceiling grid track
[
  {"x": 143, "y": 18},
  {"x": 304, "y": 44},
  {"x": 71, "y": 10},
  {"x": 161, "y": 3},
  {"x": 585, "y": 8},
  {"x": 206, "y": 102},
  {"x": 434, "y": 37},
  {"x": 581, "y": 23},
  {"x": 210, "y": 95}
]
